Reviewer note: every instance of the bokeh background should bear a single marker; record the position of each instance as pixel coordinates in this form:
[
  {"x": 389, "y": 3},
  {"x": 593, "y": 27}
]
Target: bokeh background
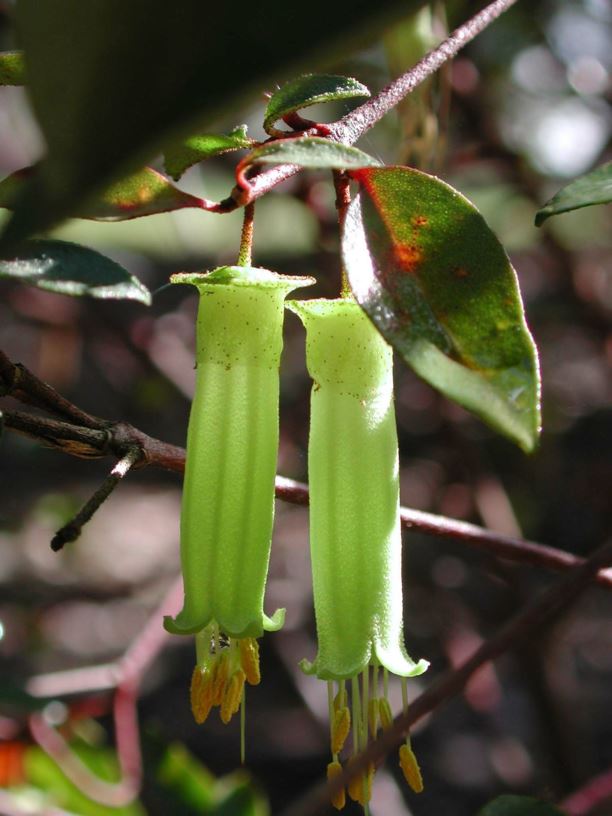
[{"x": 522, "y": 111}]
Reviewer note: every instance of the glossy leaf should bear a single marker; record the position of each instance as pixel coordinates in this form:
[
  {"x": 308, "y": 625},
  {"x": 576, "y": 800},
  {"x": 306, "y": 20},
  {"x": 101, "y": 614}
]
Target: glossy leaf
[
  {"x": 113, "y": 82},
  {"x": 593, "y": 188},
  {"x": 510, "y": 805},
  {"x": 71, "y": 269},
  {"x": 310, "y": 151},
  {"x": 309, "y": 89},
  {"x": 437, "y": 283},
  {"x": 12, "y": 69},
  {"x": 184, "y": 154},
  {"x": 146, "y": 192}
]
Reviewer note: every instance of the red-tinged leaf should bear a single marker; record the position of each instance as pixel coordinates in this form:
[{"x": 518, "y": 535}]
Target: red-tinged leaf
[
  {"x": 146, "y": 192},
  {"x": 113, "y": 81},
  {"x": 438, "y": 285}
]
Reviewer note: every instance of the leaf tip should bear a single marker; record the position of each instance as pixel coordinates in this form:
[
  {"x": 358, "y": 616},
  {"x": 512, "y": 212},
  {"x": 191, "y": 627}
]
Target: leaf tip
[{"x": 540, "y": 217}]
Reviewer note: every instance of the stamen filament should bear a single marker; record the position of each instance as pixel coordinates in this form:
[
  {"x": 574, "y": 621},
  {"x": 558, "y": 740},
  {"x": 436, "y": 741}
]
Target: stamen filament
[
  {"x": 404, "y": 695},
  {"x": 243, "y": 727},
  {"x": 365, "y": 680},
  {"x": 356, "y": 707},
  {"x": 332, "y": 716}
]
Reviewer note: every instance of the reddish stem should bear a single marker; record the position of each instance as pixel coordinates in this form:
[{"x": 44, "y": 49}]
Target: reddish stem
[
  {"x": 246, "y": 237},
  {"x": 343, "y": 199},
  {"x": 352, "y": 126},
  {"x": 593, "y": 793}
]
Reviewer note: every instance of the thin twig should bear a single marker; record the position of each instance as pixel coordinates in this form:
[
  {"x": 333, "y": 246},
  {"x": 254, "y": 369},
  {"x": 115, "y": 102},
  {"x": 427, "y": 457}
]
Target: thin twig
[
  {"x": 589, "y": 796},
  {"x": 71, "y": 531},
  {"x": 361, "y": 119},
  {"x": 128, "y": 670},
  {"x": 125, "y": 675},
  {"x": 75, "y": 440},
  {"x": 112, "y": 794},
  {"x": 542, "y": 610},
  {"x": 119, "y": 438},
  {"x": 352, "y": 126},
  {"x": 18, "y": 382}
]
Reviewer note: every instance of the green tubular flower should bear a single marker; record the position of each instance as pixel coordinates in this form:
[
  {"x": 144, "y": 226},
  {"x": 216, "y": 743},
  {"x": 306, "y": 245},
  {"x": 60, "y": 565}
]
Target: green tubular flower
[
  {"x": 228, "y": 491},
  {"x": 355, "y": 529}
]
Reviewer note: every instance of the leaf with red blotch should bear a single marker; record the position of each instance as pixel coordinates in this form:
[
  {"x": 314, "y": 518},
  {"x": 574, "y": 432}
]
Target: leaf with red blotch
[
  {"x": 438, "y": 285},
  {"x": 146, "y": 192}
]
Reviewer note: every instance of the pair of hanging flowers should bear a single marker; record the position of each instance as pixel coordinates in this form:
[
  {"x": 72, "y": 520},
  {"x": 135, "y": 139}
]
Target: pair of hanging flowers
[{"x": 228, "y": 506}]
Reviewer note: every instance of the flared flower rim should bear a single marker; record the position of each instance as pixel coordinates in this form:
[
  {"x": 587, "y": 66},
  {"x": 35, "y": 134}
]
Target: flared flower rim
[
  {"x": 265, "y": 623},
  {"x": 242, "y": 276}
]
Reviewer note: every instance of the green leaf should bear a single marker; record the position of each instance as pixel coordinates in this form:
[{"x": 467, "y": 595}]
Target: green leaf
[
  {"x": 190, "y": 782},
  {"x": 146, "y": 192},
  {"x": 306, "y": 90},
  {"x": 438, "y": 285},
  {"x": 113, "y": 82},
  {"x": 70, "y": 269},
  {"x": 593, "y": 188},
  {"x": 12, "y": 68},
  {"x": 310, "y": 151},
  {"x": 509, "y": 805},
  {"x": 241, "y": 800},
  {"x": 179, "y": 156}
]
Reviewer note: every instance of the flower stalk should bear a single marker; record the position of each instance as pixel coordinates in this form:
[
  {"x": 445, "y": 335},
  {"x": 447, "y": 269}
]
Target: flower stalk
[
  {"x": 354, "y": 526},
  {"x": 228, "y": 492}
]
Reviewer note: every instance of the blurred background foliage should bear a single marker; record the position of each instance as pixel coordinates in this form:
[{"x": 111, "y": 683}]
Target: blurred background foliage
[{"x": 521, "y": 111}]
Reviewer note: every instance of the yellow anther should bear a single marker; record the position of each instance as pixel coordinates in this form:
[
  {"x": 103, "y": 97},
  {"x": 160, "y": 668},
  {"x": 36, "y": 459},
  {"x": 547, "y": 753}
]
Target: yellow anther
[
  {"x": 220, "y": 679},
  {"x": 339, "y": 798},
  {"x": 373, "y": 716},
  {"x": 233, "y": 696},
  {"x": 355, "y": 788},
  {"x": 360, "y": 786},
  {"x": 410, "y": 768},
  {"x": 340, "y": 729},
  {"x": 385, "y": 714},
  {"x": 249, "y": 659},
  {"x": 200, "y": 694}
]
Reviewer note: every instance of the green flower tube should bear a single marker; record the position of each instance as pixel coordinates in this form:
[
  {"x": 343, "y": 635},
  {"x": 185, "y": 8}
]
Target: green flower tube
[
  {"x": 355, "y": 533},
  {"x": 228, "y": 491}
]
